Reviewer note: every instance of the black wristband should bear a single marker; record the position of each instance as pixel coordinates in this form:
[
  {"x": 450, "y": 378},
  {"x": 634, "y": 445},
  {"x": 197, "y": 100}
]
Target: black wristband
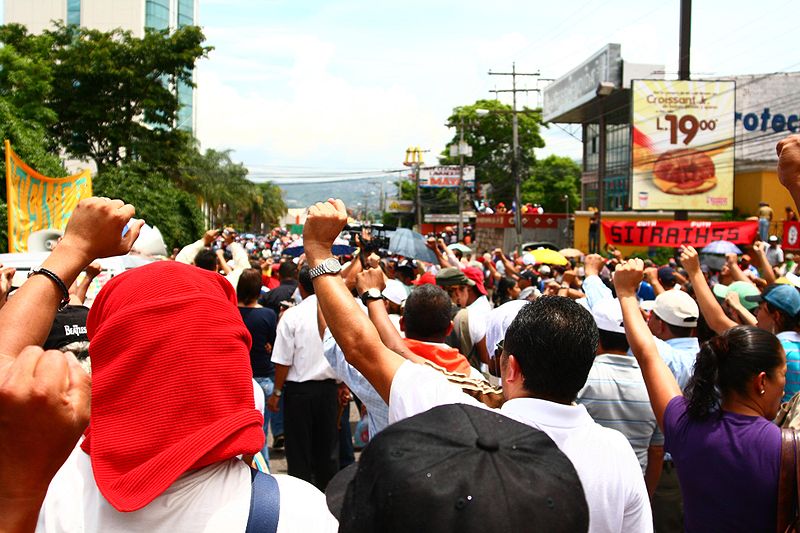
[{"x": 54, "y": 277}]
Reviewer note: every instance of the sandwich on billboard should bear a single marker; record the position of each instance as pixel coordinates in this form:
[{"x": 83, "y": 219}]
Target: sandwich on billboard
[{"x": 683, "y": 144}]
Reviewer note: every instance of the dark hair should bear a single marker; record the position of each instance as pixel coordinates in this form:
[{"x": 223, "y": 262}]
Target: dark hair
[
  {"x": 501, "y": 295},
  {"x": 427, "y": 313},
  {"x": 611, "y": 340},
  {"x": 288, "y": 270},
  {"x": 726, "y": 363},
  {"x": 554, "y": 340},
  {"x": 787, "y": 322},
  {"x": 704, "y": 331},
  {"x": 248, "y": 288},
  {"x": 206, "y": 259},
  {"x": 304, "y": 278},
  {"x": 678, "y": 331}
]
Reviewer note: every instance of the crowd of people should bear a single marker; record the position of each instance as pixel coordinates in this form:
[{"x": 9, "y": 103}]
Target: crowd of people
[{"x": 607, "y": 395}]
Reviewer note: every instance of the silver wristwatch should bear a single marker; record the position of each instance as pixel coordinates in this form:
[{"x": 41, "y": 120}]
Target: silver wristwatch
[{"x": 330, "y": 266}]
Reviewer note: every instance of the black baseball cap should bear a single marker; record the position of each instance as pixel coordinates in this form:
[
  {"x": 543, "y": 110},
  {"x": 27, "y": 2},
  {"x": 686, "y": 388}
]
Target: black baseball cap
[
  {"x": 69, "y": 325},
  {"x": 459, "y": 468}
]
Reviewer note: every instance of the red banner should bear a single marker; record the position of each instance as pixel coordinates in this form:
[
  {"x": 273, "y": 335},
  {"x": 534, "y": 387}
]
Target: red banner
[
  {"x": 673, "y": 233},
  {"x": 791, "y": 235},
  {"x": 529, "y": 220}
]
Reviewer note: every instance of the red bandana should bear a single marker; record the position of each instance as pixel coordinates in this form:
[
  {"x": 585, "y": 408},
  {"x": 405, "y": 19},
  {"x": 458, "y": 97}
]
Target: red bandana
[{"x": 171, "y": 381}]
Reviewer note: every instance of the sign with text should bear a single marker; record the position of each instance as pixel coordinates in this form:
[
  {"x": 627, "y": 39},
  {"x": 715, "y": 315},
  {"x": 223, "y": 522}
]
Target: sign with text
[
  {"x": 446, "y": 176},
  {"x": 673, "y": 233},
  {"x": 36, "y": 202},
  {"x": 683, "y": 138}
]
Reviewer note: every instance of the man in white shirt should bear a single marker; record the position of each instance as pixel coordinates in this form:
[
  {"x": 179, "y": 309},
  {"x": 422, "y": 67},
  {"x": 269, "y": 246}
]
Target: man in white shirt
[
  {"x": 549, "y": 349},
  {"x": 307, "y": 382}
]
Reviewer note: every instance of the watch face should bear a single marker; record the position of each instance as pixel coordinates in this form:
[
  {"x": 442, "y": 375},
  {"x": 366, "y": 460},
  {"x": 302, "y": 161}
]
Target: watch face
[
  {"x": 374, "y": 293},
  {"x": 332, "y": 265}
]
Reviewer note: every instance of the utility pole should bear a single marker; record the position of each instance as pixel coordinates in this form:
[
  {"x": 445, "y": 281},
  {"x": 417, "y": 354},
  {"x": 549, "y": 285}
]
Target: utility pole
[
  {"x": 515, "y": 144},
  {"x": 414, "y": 160},
  {"x": 683, "y": 64}
]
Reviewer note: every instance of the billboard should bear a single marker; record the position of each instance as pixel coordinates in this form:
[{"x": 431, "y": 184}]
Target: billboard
[
  {"x": 36, "y": 202},
  {"x": 395, "y": 205},
  {"x": 446, "y": 176},
  {"x": 767, "y": 109},
  {"x": 579, "y": 85},
  {"x": 683, "y": 145}
]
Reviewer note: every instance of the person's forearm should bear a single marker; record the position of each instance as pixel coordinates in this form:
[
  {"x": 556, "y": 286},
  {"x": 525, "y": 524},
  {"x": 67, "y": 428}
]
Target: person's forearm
[
  {"x": 655, "y": 464},
  {"x": 763, "y": 266},
  {"x": 188, "y": 252},
  {"x": 355, "y": 334},
  {"x": 658, "y": 288},
  {"x": 746, "y": 316},
  {"x": 281, "y": 371},
  {"x": 28, "y": 316},
  {"x": 20, "y": 514},
  {"x": 709, "y": 308},
  {"x": 509, "y": 265},
  {"x": 83, "y": 288},
  {"x": 388, "y": 333},
  {"x": 659, "y": 380},
  {"x": 737, "y": 273}
]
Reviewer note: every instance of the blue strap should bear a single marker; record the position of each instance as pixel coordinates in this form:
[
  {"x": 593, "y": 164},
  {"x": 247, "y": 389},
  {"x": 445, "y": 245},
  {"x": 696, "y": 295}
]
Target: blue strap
[{"x": 265, "y": 503}]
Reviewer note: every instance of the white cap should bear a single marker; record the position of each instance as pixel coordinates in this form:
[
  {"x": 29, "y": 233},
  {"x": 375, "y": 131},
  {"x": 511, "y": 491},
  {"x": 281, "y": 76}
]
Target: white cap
[
  {"x": 395, "y": 292},
  {"x": 544, "y": 269},
  {"x": 608, "y": 315},
  {"x": 677, "y": 308},
  {"x": 528, "y": 259}
]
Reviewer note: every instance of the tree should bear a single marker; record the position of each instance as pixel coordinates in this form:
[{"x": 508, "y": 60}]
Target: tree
[
  {"x": 551, "y": 179},
  {"x": 490, "y": 136},
  {"x": 113, "y": 94},
  {"x": 157, "y": 200}
]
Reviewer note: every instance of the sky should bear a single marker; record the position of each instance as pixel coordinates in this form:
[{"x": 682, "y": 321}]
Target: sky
[
  {"x": 309, "y": 89},
  {"x": 314, "y": 88}
]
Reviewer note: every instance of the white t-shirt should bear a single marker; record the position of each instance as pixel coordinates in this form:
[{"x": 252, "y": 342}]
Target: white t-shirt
[
  {"x": 602, "y": 457},
  {"x": 213, "y": 499},
  {"x": 298, "y": 345},
  {"x": 478, "y": 312}
]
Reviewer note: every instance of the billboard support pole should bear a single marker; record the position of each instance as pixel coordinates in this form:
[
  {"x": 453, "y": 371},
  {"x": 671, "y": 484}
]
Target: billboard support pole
[{"x": 683, "y": 63}]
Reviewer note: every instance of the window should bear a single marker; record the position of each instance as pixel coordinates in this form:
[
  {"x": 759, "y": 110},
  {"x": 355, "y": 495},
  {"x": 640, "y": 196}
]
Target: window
[
  {"x": 157, "y": 14},
  {"x": 185, "y": 13},
  {"x": 73, "y": 12}
]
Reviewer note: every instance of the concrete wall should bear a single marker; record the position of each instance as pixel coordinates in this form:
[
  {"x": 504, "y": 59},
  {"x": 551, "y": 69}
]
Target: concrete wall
[
  {"x": 35, "y": 15},
  {"x": 106, "y": 16}
]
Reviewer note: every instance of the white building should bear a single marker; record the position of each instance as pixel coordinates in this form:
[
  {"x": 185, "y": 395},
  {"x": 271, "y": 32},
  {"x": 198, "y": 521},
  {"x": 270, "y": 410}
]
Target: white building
[{"x": 107, "y": 15}]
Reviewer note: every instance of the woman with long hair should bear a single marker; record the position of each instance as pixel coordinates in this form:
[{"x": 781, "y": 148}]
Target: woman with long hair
[
  {"x": 507, "y": 290},
  {"x": 720, "y": 433}
]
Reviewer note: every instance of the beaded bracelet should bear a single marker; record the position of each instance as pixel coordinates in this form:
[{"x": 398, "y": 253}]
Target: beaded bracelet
[{"x": 54, "y": 277}]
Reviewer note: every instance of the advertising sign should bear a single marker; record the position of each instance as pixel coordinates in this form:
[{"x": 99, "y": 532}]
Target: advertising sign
[
  {"x": 394, "y": 205},
  {"x": 446, "y": 176},
  {"x": 579, "y": 85},
  {"x": 673, "y": 233},
  {"x": 683, "y": 138},
  {"x": 36, "y": 202}
]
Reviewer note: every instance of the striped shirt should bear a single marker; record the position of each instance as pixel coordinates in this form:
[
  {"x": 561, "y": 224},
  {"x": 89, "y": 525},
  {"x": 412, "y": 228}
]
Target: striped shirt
[
  {"x": 616, "y": 397},
  {"x": 790, "y": 340}
]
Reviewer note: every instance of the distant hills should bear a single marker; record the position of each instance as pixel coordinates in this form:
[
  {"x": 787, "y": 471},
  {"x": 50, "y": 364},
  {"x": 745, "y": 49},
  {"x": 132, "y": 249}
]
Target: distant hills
[{"x": 352, "y": 192}]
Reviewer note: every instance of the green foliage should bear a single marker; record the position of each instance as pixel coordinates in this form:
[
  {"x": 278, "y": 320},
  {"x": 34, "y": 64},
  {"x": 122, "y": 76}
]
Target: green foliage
[
  {"x": 113, "y": 94},
  {"x": 550, "y": 180},
  {"x": 157, "y": 199},
  {"x": 490, "y": 136}
]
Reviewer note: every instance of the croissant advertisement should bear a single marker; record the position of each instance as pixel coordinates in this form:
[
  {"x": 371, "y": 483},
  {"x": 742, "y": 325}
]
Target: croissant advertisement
[{"x": 683, "y": 145}]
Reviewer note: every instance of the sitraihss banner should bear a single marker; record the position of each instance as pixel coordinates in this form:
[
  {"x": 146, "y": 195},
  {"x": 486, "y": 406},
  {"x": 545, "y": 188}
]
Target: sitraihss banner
[
  {"x": 36, "y": 202},
  {"x": 674, "y": 233},
  {"x": 683, "y": 137}
]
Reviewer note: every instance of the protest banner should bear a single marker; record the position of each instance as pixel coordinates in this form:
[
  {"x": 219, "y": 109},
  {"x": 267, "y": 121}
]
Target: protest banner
[
  {"x": 37, "y": 202},
  {"x": 673, "y": 233}
]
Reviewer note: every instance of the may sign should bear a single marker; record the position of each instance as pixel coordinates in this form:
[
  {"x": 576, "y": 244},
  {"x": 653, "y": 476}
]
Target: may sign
[{"x": 446, "y": 176}]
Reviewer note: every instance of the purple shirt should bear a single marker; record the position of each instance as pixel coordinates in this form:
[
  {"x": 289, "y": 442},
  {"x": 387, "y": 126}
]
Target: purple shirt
[{"x": 728, "y": 469}]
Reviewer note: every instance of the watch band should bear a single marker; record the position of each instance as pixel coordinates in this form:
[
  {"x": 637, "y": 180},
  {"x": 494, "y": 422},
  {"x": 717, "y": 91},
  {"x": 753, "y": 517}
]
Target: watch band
[
  {"x": 329, "y": 266},
  {"x": 366, "y": 296}
]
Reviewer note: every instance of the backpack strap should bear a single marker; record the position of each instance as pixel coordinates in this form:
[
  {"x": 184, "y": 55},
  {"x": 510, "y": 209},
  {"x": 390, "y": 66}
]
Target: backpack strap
[
  {"x": 788, "y": 481},
  {"x": 265, "y": 503}
]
